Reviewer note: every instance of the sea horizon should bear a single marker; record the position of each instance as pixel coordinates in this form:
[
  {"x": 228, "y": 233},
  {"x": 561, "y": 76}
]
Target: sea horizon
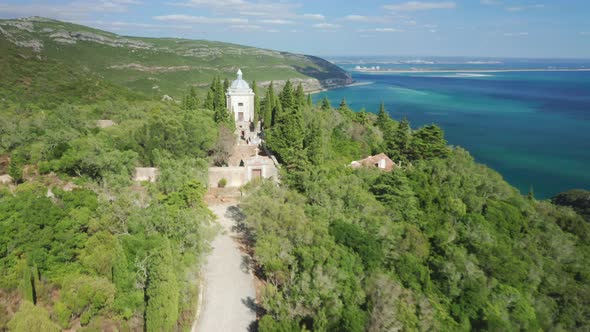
[{"x": 517, "y": 122}]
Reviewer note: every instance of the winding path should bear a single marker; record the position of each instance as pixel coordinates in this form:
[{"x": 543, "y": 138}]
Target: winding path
[{"x": 228, "y": 301}]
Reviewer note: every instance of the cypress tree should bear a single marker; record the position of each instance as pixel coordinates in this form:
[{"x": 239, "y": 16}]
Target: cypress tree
[
  {"x": 300, "y": 96},
  {"x": 16, "y": 166},
  {"x": 343, "y": 104},
  {"x": 287, "y": 135},
  {"x": 326, "y": 104},
  {"x": 315, "y": 144},
  {"x": 162, "y": 291},
  {"x": 276, "y": 110},
  {"x": 361, "y": 116},
  {"x": 268, "y": 106},
  {"x": 256, "y": 102},
  {"x": 209, "y": 100},
  {"x": 219, "y": 97},
  {"x": 286, "y": 96},
  {"x": 28, "y": 284},
  {"x": 382, "y": 117},
  {"x": 225, "y": 85}
]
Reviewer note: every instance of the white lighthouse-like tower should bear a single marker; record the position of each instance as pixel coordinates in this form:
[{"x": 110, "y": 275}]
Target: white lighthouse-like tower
[{"x": 240, "y": 103}]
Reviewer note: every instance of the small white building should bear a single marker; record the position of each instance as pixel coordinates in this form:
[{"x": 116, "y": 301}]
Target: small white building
[{"x": 240, "y": 103}]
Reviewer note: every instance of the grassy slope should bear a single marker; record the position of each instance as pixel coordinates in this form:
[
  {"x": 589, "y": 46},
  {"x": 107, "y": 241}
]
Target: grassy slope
[{"x": 198, "y": 60}]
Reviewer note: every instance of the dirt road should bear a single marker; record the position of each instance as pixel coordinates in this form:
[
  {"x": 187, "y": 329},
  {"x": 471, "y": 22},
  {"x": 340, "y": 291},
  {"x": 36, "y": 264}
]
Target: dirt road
[{"x": 228, "y": 301}]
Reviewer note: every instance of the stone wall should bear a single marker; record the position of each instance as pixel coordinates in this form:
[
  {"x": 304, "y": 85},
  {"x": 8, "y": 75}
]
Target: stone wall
[{"x": 235, "y": 176}]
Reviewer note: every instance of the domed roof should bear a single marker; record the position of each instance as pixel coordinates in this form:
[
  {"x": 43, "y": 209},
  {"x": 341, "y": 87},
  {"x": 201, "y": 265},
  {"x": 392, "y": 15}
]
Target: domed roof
[{"x": 239, "y": 84}]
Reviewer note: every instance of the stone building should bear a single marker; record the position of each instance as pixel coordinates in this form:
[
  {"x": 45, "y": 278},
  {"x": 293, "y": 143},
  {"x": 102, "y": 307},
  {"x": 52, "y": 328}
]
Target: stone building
[
  {"x": 240, "y": 103},
  {"x": 381, "y": 161}
]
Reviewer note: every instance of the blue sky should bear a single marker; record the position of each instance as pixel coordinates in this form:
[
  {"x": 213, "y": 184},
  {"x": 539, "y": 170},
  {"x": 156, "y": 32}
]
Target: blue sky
[{"x": 497, "y": 28}]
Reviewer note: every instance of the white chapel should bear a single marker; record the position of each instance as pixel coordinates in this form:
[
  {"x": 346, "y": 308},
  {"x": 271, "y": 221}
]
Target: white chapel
[{"x": 240, "y": 102}]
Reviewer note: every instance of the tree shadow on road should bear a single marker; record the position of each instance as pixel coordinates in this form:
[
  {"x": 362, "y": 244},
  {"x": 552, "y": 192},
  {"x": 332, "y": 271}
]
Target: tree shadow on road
[{"x": 254, "y": 307}]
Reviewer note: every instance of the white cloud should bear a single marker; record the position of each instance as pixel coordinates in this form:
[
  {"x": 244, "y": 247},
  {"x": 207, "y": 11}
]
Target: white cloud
[
  {"x": 254, "y": 8},
  {"x": 381, "y": 30},
  {"x": 273, "y": 30},
  {"x": 327, "y": 26},
  {"x": 180, "y": 18},
  {"x": 419, "y": 5},
  {"x": 356, "y": 18},
  {"x": 245, "y": 27},
  {"x": 521, "y": 8},
  {"x": 74, "y": 10},
  {"x": 314, "y": 16},
  {"x": 585, "y": 33},
  {"x": 516, "y": 34},
  {"x": 276, "y": 22},
  {"x": 490, "y": 2}
]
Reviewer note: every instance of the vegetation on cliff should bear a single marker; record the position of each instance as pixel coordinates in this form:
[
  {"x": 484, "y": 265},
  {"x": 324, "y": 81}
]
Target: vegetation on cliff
[{"x": 441, "y": 243}]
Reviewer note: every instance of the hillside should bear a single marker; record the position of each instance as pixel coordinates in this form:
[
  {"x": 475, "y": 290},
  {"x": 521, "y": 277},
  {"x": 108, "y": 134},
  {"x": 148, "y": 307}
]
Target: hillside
[{"x": 153, "y": 66}]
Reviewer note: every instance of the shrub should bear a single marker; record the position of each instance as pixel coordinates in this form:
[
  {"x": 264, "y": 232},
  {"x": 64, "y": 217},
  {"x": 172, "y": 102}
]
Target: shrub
[{"x": 222, "y": 183}]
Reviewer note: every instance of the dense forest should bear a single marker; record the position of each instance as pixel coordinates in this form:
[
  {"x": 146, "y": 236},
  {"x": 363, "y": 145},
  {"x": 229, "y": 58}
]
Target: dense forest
[
  {"x": 442, "y": 243},
  {"x": 81, "y": 245}
]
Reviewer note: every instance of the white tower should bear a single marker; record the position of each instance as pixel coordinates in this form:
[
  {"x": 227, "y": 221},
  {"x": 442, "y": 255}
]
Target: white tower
[{"x": 240, "y": 102}]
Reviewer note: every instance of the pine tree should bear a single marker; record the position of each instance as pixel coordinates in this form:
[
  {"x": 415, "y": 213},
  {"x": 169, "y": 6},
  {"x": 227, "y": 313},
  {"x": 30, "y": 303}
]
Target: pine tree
[
  {"x": 326, "y": 104},
  {"x": 309, "y": 101},
  {"x": 382, "y": 117},
  {"x": 162, "y": 291},
  {"x": 401, "y": 140},
  {"x": 428, "y": 142},
  {"x": 286, "y": 96}
]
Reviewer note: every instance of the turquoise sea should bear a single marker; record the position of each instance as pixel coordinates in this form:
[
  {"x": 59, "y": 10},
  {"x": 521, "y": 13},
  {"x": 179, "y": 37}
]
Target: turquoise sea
[{"x": 532, "y": 127}]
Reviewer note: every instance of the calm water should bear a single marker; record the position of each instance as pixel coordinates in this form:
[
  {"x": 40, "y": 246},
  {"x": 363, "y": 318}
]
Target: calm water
[{"x": 532, "y": 127}]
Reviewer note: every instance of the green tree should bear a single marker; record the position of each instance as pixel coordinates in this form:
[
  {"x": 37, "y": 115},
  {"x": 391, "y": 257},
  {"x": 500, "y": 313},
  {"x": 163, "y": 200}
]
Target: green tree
[
  {"x": 209, "y": 100},
  {"x": 299, "y": 96},
  {"x": 287, "y": 134},
  {"x": 287, "y": 97},
  {"x": 225, "y": 85},
  {"x": 382, "y": 117},
  {"x": 325, "y": 106},
  {"x": 16, "y": 166},
  {"x": 190, "y": 101},
  {"x": 402, "y": 140},
  {"x": 32, "y": 318},
  {"x": 268, "y": 106},
  {"x": 257, "y": 115},
  {"x": 428, "y": 142},
  {"x": 162, "y": 290}
]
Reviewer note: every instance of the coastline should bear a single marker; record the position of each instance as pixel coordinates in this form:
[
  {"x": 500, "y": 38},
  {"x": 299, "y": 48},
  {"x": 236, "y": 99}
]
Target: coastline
[
  {"x": 426, "y": 71},
  {"x": 312, "y": 92}
]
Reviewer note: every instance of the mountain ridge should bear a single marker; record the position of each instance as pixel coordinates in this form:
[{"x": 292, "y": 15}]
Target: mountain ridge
[{"x": 162, "y": 66}]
